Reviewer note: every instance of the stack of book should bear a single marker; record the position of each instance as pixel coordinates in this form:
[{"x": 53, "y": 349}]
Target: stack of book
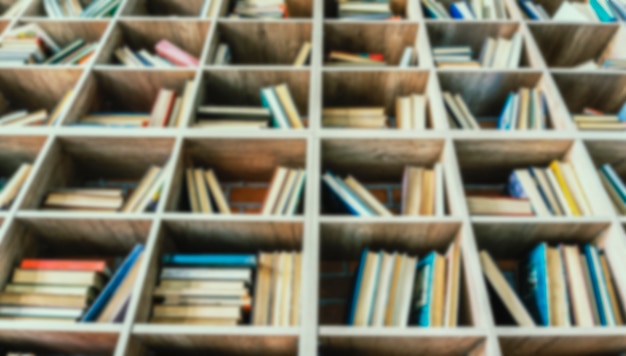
[
  {"x": 614, "y": 186},
  {"x": 167, "y": 55},
  {"x": 29, "y": 44},
  {"x": 593, "y": 119},
  {"x": 37, "y": 118},
  {"x": 279, "y": 109},
  {"x": 338, "y": 58},
  {"x": 202, "y": 185},
  {"x": 356, "y": 117},
  {"x": 284, "y": 192},
  {"x": 524, "y": 110},
  {"x": 535, "y": 191},
  {"x": 459, "y": 114},
  {"x": 574, "y": 11},
  {"x": 422, "y": 193},
  {"x": 168, "y": 111},
  {"x": 394, "y": 289},
  {"x": 364, "y": 10},
  {"x": 144, "y": 197},
  {"x": 411, "y": 112},
  {"x": 73, "y": 8},
  {"x": 69, "y": 290},
  {"x": 277, "y": 289},
  {"x": 14, "y": 9},
  {"x": 464, "y": 10},
  {"x": 564, "y": 285},
  {"x": 495, "y": 53},
  {"x": 260, "y": 9},
  {"x": 9, "y": 188},
  {"x": 208, "y": 289}
]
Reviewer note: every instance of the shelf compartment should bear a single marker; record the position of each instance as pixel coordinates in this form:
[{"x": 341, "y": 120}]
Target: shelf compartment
[
  {"x": 612, "y": 152},
  {"x": 17, "y": 150},
  {"x": 244, "y": 168},
  {"x": 262, "y": 42},
  {"x": 188, "y": 35},
  {"x": 107, "y": 91},
  {"x": 35, "y": 8},
  {"x": 162, "y": 8},
  {"x": 596, "y": 42},
  {"x": 74, "y": 161},
  {"x": 295, "y": 9}
]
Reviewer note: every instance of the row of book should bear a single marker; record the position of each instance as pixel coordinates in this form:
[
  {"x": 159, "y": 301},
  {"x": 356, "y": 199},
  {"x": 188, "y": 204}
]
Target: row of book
[
  {"x": 411, "y": 112},
  {"x": 223, "y": 55},
  {"x": 204, "y": 192},
  {"x": 363, "y": 117},
  {"x": 73, "y": 8},
  {"x": 593, "y": 119},
  {"x": 167, "y": 55},
  {"x": 422, "y": 194},
  {"x": 366, "y": 10},
  {"x": 29, "y": 44},
  {"x": 284, "y": 192},
  {"x": 144, "y": 197},
  {"x": 168, "y": 110},
  {"x": 574, "y": 11},
  {"x": 51, "y": 290},
  {"x": 565, "y": 285},
  {"x": 23, "y": 117},
  {"x": 524, "y": 110},
  {"x": 215, "y": 289},
  {"x": 466, "y": 10},
  {"x": 496, "y": 53},
  {"x": 260, "y": 9},
  {"x": 9, "y": 188},
  {"x": 394, "y": 289},
  {"x": 614, "y": 185},
  {"x": 536, "y": 191}
]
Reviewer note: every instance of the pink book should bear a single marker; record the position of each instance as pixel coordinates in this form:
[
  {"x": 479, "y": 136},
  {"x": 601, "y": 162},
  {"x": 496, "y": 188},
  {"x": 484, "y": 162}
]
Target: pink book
[{"x": 169, "y": 51}]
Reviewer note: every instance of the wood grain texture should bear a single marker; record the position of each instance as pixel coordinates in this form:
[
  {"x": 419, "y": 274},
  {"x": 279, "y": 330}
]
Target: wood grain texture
[
  {"x": 578, "y": 344},
  {"x": 15, "y": 150},
  {"x": 602, "y": 91},
  {"x": 66, "y": 342},
  {"x": 295, "y": 8},
  {"x": 63, "y": 33}
]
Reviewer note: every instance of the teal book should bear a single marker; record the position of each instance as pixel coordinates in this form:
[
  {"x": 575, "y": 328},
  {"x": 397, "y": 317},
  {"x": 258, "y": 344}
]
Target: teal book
[
  {"x": 600, "y": 291},
  {"x": 534, "y": 285},
  {"x": 603, "y": 10},
  {"x": 615, "y": 180},
  {"x": 423, "y": 290},
  {"x": 215, "y": 260}
]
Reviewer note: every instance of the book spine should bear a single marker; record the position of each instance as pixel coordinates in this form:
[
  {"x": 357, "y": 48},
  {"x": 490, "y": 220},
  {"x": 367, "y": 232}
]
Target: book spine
[
  {"x": 175, "y": 55},
  {"x": 210, "y": 260},
  {"x": 65, "y": 265},
  {"x": 357, "y": 287}
]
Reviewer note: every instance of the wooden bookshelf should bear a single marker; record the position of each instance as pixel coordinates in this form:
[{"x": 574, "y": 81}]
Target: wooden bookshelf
[{"x": 263, "y": 51}]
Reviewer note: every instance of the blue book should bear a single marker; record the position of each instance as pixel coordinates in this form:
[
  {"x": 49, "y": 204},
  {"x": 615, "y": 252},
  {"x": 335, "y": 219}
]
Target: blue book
[
  {"x": 218, "y": 260},
  {"x": 615, "y": 180},
  {"x": 430, "y": 12},
  {"x": 540, "y": 188},
  {"x": 504, "y": 115},
  {"x": 605, "y": 14},
  {"x": 346, "y": 196},
  {"x": 103, "y": 298},
  {"x": 143, "y": 60},
  {"x": 455, "y": 12},
  {"x": 530, "y": 11},
  {"x": 621, "y": 115},
  {"x": 515, "y": 188},
  {"x": 357, "y": 286},
  {"x": 423, "y": 289},
  {"x": 534, "y": 285},
  {"x": 603, "y": 302},
  {"x": 619, "y": 8}
]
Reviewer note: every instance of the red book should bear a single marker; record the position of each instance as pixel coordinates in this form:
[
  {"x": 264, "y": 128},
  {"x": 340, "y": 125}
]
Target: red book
[
  {"x": 66, "y": 265},
  {"x": 169, "y": 51}
]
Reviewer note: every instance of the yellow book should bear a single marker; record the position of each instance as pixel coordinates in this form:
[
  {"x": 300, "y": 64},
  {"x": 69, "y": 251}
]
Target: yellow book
[{"x": 554, "y": 166}]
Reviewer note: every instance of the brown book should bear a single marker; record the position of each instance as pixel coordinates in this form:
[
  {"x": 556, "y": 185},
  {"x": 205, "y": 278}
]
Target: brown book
[
  {"x": 43, "y": 300},
  {"x": 263, "y": 290}
]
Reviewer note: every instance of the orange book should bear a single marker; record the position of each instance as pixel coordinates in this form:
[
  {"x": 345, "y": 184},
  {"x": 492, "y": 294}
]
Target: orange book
[
  {"x": 66, "y": 265},
  {"x": 86, "y": 58}
]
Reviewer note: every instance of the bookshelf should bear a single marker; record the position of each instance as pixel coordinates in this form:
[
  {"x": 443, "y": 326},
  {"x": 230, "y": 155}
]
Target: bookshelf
[{"x": 244, "y": 159}]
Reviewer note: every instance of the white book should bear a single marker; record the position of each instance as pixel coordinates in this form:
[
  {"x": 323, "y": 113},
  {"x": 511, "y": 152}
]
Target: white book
[
  {"x": 515, "y": 53},
  {"x": 406, "y": 293},
  {"x": 514, "y": 114},
  {"x": 41, "y": 312},
  {"x": 489, "y": 9},
  {"x": 568, "y": 12},
  {"x": 440, "y": 203},
  {"x": 469, "y": 118},
  {"x": 296, "y": 193},
  {"x": 418, "y": 107},
  {"x": 575, "y": 187},
  {"x": 238, "y": 274},
  {"x": 487, "y": 53},
  {"x": 588, "y": 65},
  {"x": 477, "y": 8},
  {"x": 285, "y": 192},
  {"x": 12, "y": 116},
  {"x": 503, "y": 48},
  {"x": 346, "y": 196},
  {"x": 605, "y": 301},
  {"x": 47, "y": 289},
  {"x": 587, "y": 11},
  {"x": 365, "y": 302},
  {"x": 382, "y": 292},
  {"x": 275, "y": 189},
  {"x": 532, "y": 192},
  {"x": 465, "y": 10},
  {"x": 407, "y": 57},
  {"x": 559, "y": 192},
  {"x": 204, "y": 11}
]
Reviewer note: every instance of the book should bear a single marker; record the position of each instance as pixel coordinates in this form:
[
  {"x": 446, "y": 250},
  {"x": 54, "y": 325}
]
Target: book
[
  {"x": 238, "y": 260},
  {"x": 530, "y": 189},
  {"x": 499, "y": 206},
  {"x": 555, "y": 167},
  {"x": 577, "y": 290},
  {"x": 37, "y": 312},
  {"x": 453, "y": 280},
  {"x": 270, "y": 100},
  {"x": 600, "y": 291},
  {"x": 216, "y": 192},
  {"x": 412, "y": 183},
  {"x": 82, "y": 291},
  {"x": 191, "y": 190},
  {"x": 174, "y": 54},
  {"x": 365, "y": 288},
  {"x": 349, "y": 199},
  {"x": 43, "y": 300},
  {"x": 140, "y": 192},
  {"x": 202, "y": 192},
  {"x": 303, "y": 55},
  {"x": 273, "y": 193},
  {"x": 534, "y": 289},
  {"x": 367, "y": 197},
  {"x": 288, "y": 105},
  {"x": 236, "y": 274},
  {"x": 115, "y": 308},
  {"x": 617, "y": 313},
  {"x": 83, "y": 201},
  {"x": 394, "y": 289},
  {"x": 68, "y": 278},
  {"x": 428, "y": 290},
  {"x": 194, "y": 311},
  {"x": 262, "y": 295},
  {"x": 66, "y": 265},
  {"x": 404, "y": 295},
  {"x": 504, "y": 291},
  {"x": 13, "y": 186},
  {"x": 382, "y": 290}
]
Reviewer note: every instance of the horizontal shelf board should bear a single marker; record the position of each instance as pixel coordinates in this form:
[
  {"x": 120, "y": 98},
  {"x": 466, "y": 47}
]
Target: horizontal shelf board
[
  {"x": 454, "y": 22},
  {"x": 416, "y": 332},
  {"x": 515, "y": 331},
  {"x": 231, "y": 218},
  {"x": 389, "y": 134},
  {"x": 81, "y": 215},
  {"x": 244, "y": 330},
  {"x": 539, "y": 219},
  {"x": 10, "y": 326},
  {"x": 253, "y": 20},
  {"x": 325, "y": 219}
]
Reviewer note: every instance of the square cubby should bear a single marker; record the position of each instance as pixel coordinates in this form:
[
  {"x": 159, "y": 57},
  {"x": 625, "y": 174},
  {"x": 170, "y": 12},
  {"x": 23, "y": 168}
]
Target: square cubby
[
  {"x": 101, "y": 174},
  {"x": 487, "y": 98},
  {"x": 35, "y": 97},
  {"x": 178, "y": 289},
  {"x": 44, "y": 341},
  {"x": 446, "y": 10},
  {"x": 67, "y": 43},
  {"x": 376, "y": 11},
  {"x": 261, "y": 43},
  {"x": 244, "y": 99},
  {"x": 78, "y": 8},
  {"x": 146, "y": 40},
  {"x": 210, "y": 177},
  {"x": 378, "y": 177},
  {"x": 497, "y": 45},
  {"x": 57, "y": 272},
  {"x": 594, "y": 99},
  {"x": 377, "y": 44},
  {"x": 359, "y": 99},
  {"x": 596, "y": 46},
  {"x": 17, "y": 156},
  {"x": 103, "y": 101},
  {"x": 528, "y": 178},
  {"x": 275, "y": 10},
  {"x": 610, "y": 162},
  {"x": 167, "y": 8}
]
